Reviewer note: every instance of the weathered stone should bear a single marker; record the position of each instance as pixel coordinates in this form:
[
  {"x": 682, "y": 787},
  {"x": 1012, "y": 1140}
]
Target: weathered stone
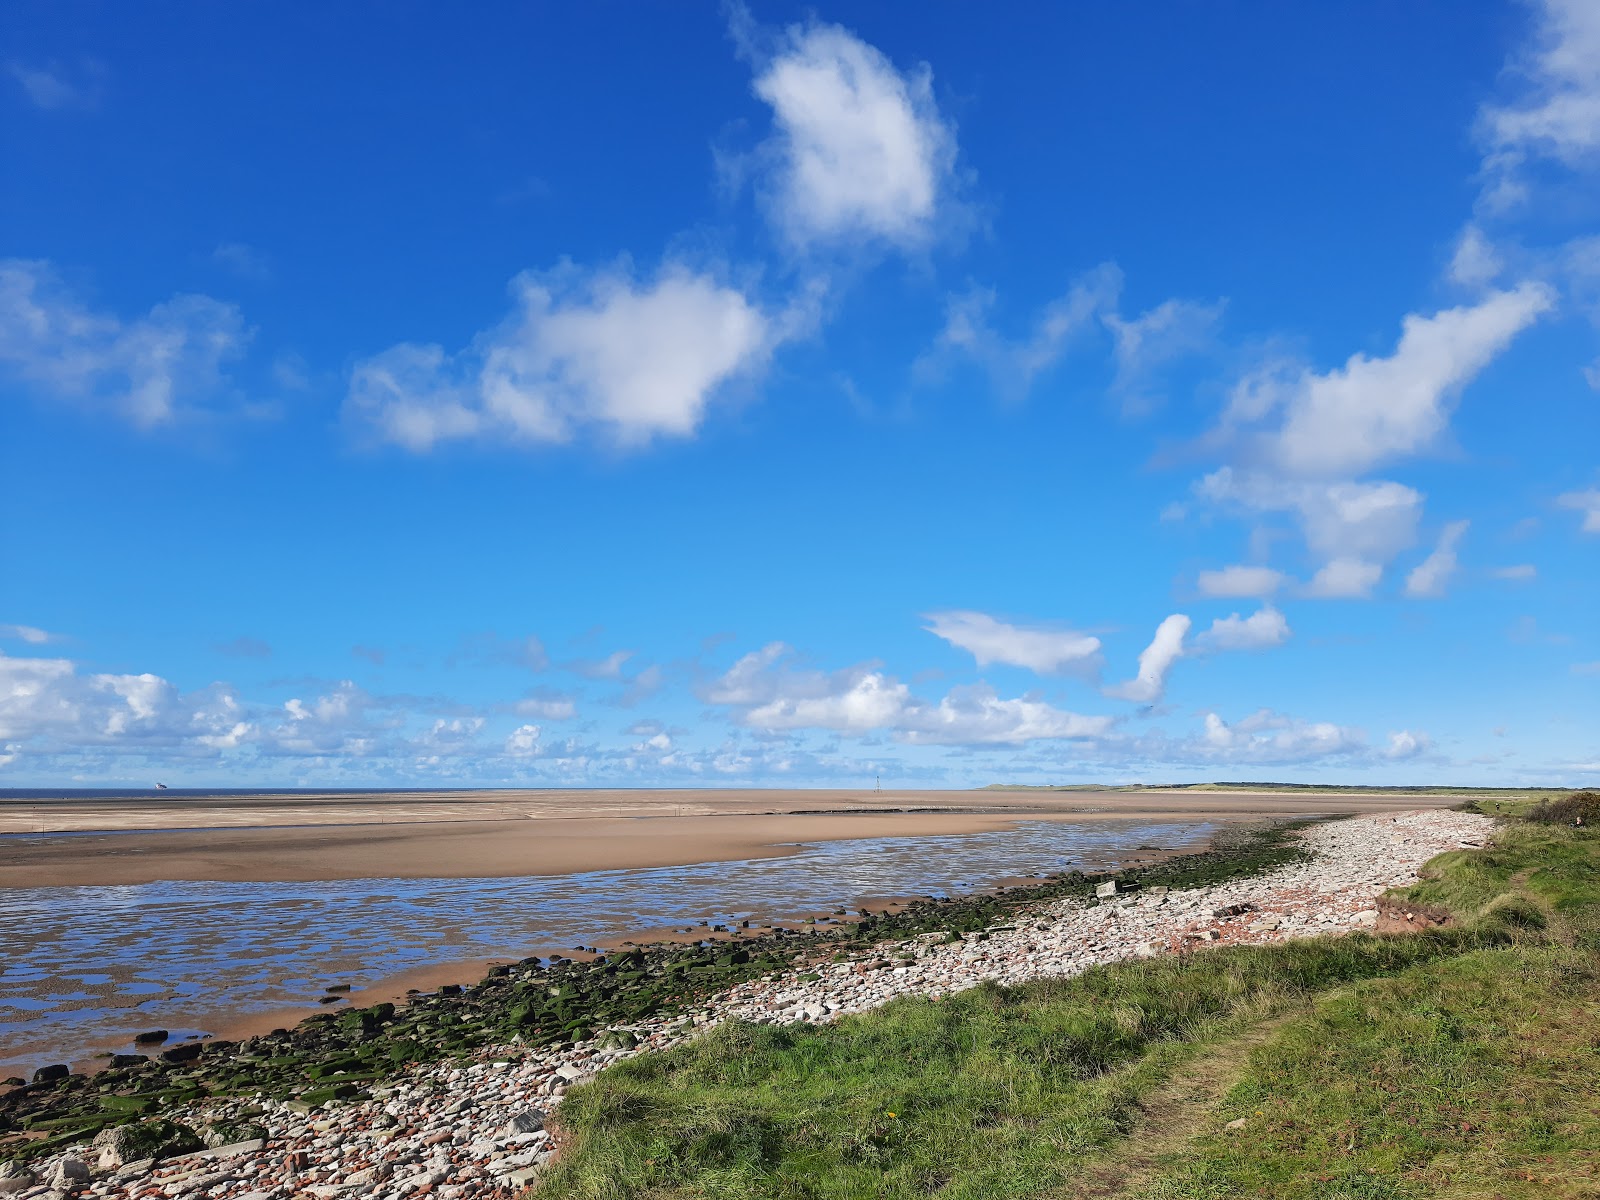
[
  {"x": 526, "y": 1121},
  {"x": 1106, "y": 890},
  {"x": 123, "y": 1144},
  {"x": 69, "y": 1173},
  {"x": 52, "y": 1073},
  {"x": 14, "y": 1177}
]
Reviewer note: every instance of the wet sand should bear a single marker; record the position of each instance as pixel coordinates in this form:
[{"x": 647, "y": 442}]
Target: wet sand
[
  {"x": 101, "y": 963},
  {"x": 498, "y": 834}
]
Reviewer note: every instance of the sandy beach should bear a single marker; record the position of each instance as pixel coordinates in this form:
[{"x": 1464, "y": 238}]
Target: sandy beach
[{"x": 298, "y": 837}]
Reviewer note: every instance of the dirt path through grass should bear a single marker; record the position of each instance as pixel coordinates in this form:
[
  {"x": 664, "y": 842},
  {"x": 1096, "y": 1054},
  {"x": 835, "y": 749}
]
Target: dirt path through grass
[{"x": 1171, "y": 1116}]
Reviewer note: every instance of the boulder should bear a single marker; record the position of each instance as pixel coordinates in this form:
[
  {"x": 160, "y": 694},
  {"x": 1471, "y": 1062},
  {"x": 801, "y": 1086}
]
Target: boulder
[
  {"x": 153, "y": 1038},
  {"x": 69, "y": 1173},
  {"x": 14, "y": 1177},
  {"x": 52, "y": 1073},
  {"x": 1106, "y": 890},
  {"x": 123, "y": 1144}
]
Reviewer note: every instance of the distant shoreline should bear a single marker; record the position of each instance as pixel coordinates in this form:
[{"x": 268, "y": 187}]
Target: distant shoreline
[{"x": 506, "y": 834}]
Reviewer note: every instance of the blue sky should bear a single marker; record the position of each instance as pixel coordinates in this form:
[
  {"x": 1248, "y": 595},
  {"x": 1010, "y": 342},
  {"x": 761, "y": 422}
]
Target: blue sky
[{"x": 668, "y": 394}]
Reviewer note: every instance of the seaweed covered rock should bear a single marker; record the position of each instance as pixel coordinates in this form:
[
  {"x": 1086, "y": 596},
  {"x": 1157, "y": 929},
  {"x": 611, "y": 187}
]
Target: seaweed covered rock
[{"x": 159, "y": 1138}]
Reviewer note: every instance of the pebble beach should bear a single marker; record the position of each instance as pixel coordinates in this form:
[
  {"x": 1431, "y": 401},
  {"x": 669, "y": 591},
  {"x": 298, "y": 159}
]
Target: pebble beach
[{"x": 478, "y": 1129}]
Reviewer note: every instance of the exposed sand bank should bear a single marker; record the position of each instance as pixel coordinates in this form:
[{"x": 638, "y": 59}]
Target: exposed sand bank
[{"x": 498, "y": 834}]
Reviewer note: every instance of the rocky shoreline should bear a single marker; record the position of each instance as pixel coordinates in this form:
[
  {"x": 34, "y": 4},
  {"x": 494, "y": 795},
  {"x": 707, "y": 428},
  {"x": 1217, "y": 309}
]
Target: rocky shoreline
[{"x": 449, "y": 1094}]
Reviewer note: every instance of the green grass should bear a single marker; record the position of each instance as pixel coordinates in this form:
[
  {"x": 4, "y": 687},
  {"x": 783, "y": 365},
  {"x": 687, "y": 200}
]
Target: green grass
[
  {"x": 1467, "y": 1077},
  {"x": 1451, "y": 1062}
]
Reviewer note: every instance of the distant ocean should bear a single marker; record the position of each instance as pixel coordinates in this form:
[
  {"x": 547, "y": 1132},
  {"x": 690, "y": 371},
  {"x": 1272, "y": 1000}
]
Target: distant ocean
[{"x": 173, "y": 793}]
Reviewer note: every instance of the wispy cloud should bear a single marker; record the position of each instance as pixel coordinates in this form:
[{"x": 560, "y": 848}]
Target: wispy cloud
[
  {"x": 1039, "y": 648},
  {"x": 244, "y": 647},
  {"x": 1240, "y": 581},
  {"x": 151, "y": 370},
  {"x": 1431, "y": 576},
  {"x": 54, "y": 87},
  {"x": 1014, "y": 364},
  {"x": 31, "y": 634},
  {"x": 1516, "y": 573},
  {"x": 242, "y": 260},
  {"x": 1557, "y": 116},
  {"x": 1141, "y": 345},
  {"x": 1586, "y": 503}
]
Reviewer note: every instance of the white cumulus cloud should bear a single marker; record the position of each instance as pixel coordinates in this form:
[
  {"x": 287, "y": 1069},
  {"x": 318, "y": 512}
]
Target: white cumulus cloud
[
  {"x": 1263, "y": 628},
  {"x": 859, "y": 147},
  {"x": 581, "y": 351},
  {"x": 869, "y": 701},
  {"x": 1404, "y": 744},
  {"x": 863, "y": 700},
  {"x": 47, "y": 704},
  {"x": 1269, "y": 737},
  {"x": 976, "y": 715},
  {"x": 1037, "y": 648},
  {"x": 523, "y": 741},
  {"x": 1353, "y": 528},
  {"x": 1155, "y": 661},
  {"x": 1342, "y": 423}
]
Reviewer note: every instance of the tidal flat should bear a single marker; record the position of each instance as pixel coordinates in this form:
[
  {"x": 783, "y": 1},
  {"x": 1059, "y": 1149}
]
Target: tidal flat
[{"x": 97, "y": 964}]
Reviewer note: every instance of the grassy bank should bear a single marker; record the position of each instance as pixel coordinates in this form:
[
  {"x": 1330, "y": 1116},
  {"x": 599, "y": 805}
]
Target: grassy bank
[
  {"x": 338, "y": 1055},
  {"x": 1453, "y": 1062}
]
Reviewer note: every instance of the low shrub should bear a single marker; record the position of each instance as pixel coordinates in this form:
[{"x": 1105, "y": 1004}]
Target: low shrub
[{"x": 1580, "y": 808}]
